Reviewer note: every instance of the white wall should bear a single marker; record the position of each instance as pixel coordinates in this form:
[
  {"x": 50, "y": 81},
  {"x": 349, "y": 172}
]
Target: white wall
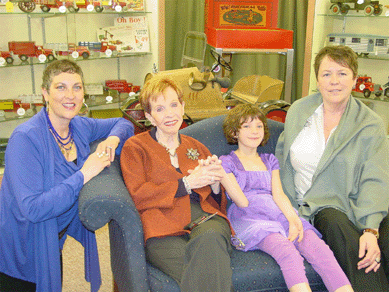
[{"x": 17, "y": 80}]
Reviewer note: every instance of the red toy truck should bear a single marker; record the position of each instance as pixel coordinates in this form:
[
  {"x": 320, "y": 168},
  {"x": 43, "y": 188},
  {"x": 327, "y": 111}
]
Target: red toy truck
[
  {"x": 64, "y": 49},
  {"x": 121, "y": 86},
  {"x": 97, "y": 46},
  {"x": 29, "y": 49},
  {"x": 366, "y": 86},
  {"x": 7, "y": 56}
]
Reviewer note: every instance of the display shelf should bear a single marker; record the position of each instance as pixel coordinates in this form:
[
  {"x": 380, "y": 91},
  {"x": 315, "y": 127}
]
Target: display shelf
[
  {"x": 92, "y": 101},
  {"x": 61, "y": 14},
  {"x": 351, "y": 15},
  {"x": 35, "y": 61}
]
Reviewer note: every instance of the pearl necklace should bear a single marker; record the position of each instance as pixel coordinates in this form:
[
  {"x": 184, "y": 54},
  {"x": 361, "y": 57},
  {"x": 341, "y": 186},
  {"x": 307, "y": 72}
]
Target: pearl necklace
[{"x": 172, "y": 152}]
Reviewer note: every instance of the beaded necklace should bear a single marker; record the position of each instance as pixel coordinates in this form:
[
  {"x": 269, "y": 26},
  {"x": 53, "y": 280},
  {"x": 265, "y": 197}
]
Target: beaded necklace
[{"x": 62, "y": 141}]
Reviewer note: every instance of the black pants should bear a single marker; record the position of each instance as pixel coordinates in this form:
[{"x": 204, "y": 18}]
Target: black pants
[
  {"x": 342, "y": 236},
  {"x": 200, "y": 261},
  {"x": 11, "y": 284}
]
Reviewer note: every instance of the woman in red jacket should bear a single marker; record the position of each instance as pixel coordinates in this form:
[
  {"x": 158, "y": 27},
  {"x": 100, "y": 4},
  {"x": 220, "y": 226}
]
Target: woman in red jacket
[{"x": 171, "y": 178}]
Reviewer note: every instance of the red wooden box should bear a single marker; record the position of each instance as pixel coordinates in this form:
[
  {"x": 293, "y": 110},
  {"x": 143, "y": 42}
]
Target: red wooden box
[
  {"x": 241, "y": 14},
  {"x": 275, "y": 38}
]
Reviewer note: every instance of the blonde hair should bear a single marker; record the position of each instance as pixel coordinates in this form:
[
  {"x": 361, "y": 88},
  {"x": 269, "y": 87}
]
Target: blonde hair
[{"x": 154, "y": 88}]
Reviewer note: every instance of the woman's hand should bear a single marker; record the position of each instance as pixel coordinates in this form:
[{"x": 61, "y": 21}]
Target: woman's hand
[
  {"x": 295, "y": 229},
  {"x": 108, "y": 147},
  {"x": 370, "y": 251},
  {"x": 208, "y": 172},
  {"x": 95, "y": 163}
]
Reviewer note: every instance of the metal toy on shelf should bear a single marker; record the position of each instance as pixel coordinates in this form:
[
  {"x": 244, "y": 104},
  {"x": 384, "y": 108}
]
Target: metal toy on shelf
[
  {"x": 103, "y": 47},
  {"x": 369, "y": 7},
  {"x": 386, "y": 88},
  {"x": 366, "y": 86},
  {"x": 362, "y": 44},
  {"x": 74, "y": 6},
  {"x": 121, "y": 86},
  {"x": 28, "y": 49},
  {"x": 65, "y": 49}
]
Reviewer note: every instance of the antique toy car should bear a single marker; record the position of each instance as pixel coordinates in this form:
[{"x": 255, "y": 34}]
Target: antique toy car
[
  {"x": 367, "y": 87},
  {"x": 368, "y": 6}
]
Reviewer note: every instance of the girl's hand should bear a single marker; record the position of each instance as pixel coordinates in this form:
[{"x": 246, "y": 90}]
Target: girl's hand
[
  {"x": 108, "y": 147},
  {"x": 296, "y": 229},
  {"x": 370, "y": 251}
]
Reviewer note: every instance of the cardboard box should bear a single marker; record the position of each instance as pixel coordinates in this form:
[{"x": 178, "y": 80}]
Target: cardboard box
[
  {"x": 241, "y": 14},
  {"x": 275, "y": 38}
]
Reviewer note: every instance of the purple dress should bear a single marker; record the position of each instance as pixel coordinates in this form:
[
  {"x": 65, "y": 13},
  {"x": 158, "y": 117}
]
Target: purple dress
[{"x": 262, "y": 217}]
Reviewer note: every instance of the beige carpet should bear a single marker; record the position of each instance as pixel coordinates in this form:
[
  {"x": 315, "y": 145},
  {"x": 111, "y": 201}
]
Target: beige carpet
[{"x": 73, "y": 260}]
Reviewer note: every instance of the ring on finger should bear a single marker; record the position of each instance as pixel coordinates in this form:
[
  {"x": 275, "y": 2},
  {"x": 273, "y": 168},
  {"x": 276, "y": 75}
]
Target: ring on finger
[
  {"x": 378, "y": 260},
  {"x": 99, "y": 155}
]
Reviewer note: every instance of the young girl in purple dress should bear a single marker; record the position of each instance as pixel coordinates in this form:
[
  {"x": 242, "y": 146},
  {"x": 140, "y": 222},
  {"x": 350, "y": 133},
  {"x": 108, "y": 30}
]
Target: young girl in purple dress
[{"x": 262, "y": 215}]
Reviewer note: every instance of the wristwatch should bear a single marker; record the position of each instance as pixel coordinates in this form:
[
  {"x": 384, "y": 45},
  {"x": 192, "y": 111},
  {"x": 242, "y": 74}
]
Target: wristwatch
[{"x": 375, "y": 232}]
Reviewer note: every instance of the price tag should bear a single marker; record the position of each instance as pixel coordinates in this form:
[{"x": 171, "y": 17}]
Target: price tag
[
  {"x": 90, "y": 7},
  {"x": 108, "y": 52},
  {"x": 75, "y": 54},
  {"x": 21, "y": 111},
  {"x": 2, "y": 61},
  {"x": 109, "y": 99},
  {"x": 62, "y": 9},
  {"x": 42, "y": 58}
]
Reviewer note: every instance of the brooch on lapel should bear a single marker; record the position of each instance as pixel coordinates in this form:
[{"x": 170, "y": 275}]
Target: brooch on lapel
[{"x": 192, "y": 154}]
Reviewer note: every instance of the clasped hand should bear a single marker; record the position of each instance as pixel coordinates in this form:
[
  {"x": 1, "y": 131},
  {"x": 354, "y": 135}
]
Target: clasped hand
[
  {"x": 101, "y": 158},
  {"x": 208, "y": 172}
]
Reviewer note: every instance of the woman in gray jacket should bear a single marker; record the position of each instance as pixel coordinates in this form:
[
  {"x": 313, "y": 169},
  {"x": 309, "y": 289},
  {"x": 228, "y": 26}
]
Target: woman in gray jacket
[{"x": 334, "y": 164}]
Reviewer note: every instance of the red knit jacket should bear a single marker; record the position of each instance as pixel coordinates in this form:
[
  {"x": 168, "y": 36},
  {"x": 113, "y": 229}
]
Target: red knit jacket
[{"x": 153, "y": 182}]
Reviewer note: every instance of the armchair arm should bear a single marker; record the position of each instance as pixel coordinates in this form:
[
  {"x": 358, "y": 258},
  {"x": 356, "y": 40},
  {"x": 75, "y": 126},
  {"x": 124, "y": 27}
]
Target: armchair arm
[{"x": 105, "y": 199}]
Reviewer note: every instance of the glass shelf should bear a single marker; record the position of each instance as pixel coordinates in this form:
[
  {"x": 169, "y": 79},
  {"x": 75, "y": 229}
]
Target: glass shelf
[
  {"x": 360, "y": 14},
  {"x": 34, "y": 61},
  {"x": 92, "y": 101},
  {"x": 40, "y": 14}
]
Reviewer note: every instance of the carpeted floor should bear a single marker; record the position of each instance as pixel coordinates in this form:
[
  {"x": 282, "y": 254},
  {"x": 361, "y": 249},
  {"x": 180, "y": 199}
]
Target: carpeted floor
[{"x": 73, "y": 261}]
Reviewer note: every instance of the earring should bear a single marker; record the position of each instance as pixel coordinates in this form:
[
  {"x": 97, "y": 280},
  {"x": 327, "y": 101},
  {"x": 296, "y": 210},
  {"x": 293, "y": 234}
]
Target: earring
[{"x": 47, "y": 106}]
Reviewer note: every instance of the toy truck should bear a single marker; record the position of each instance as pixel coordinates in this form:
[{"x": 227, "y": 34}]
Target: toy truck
[
  {"x": 121, "y": 86},
  {"x": 368, "y": 6},
  {"x": 7, "y": 56},
  {"x": 64, "y": 49},
  {"x": 12, "y": 105},
  {"x": 98, "y": 46},
  {"x": 29, "y": 49},
  {"x": 46, "y": 5},
  {"x": 366, "y": 86}
]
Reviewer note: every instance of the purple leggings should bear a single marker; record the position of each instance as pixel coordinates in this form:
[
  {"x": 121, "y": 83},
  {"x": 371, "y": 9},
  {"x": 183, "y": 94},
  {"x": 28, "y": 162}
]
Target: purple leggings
[{"x": 289, "y": 256}]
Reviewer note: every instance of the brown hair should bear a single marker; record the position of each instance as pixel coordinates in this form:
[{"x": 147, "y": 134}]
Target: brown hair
[
  {"x": 154, "y": 88},
  {"x": 342, "y": 55},
  {"x": 239, "y": 115},
  {"x": 57, "y": 67}
]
